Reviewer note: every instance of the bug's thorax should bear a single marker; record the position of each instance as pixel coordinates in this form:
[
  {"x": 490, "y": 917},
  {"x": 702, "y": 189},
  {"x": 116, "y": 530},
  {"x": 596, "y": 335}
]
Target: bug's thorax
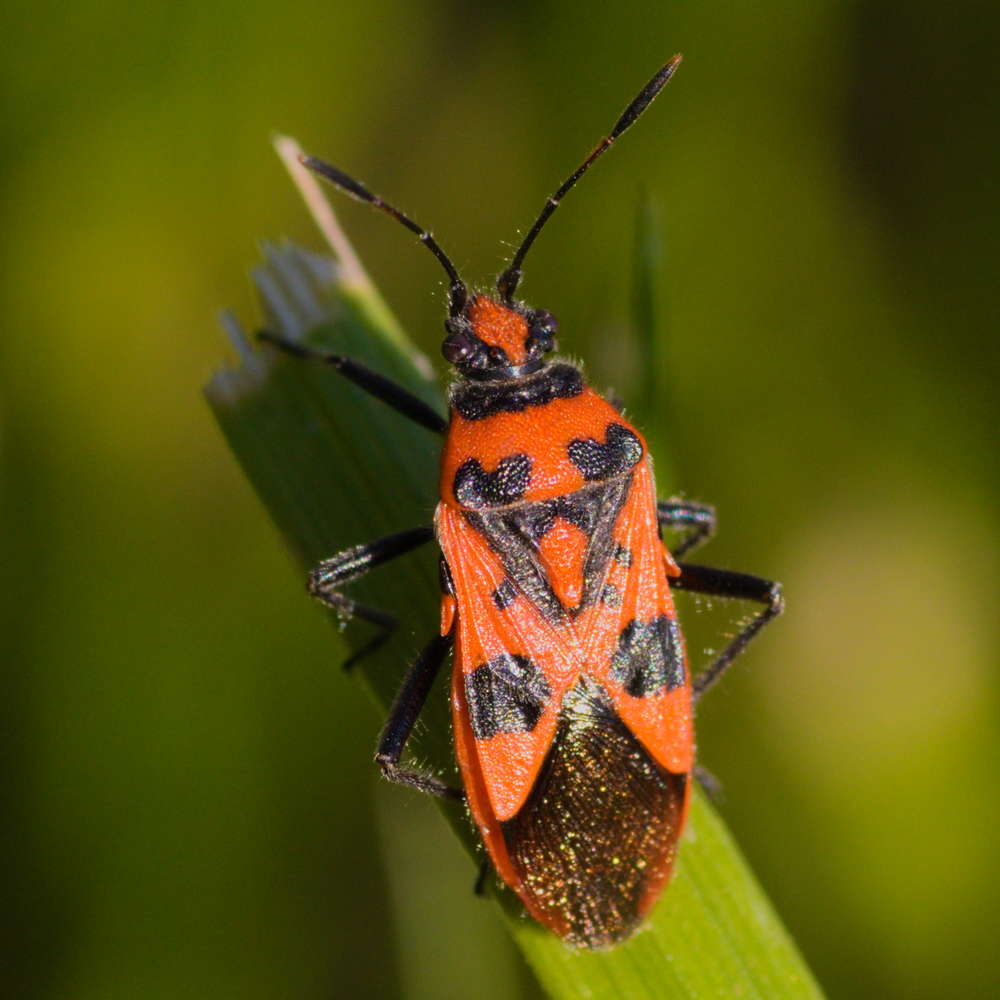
[{"x": 533, "y": 438}]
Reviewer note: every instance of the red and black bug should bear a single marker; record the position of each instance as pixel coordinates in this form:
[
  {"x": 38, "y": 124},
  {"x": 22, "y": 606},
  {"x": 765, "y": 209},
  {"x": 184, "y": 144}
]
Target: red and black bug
[{"x": 572, "y": 701}]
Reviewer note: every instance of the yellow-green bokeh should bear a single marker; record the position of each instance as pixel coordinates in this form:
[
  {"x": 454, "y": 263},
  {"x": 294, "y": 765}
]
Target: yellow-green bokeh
[{"x": 189, "y": 806}]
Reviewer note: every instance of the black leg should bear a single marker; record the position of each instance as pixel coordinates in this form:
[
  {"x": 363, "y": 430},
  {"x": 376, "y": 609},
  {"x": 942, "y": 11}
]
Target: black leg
[
  {"x": 384, "y": 622},
  {"x": 403, "y": 716},
  {"x": 697, "y": 518},
  {"x": 479, "y": 889},
  {"x": 710, "y": 784},
  {"x": 741, "y": 586},
  {"x": 331, "y": 574},
  {"x": 389, "y": 392}
]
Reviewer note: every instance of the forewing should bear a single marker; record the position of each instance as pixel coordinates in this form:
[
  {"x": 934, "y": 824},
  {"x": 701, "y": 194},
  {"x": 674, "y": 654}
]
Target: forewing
[
  {"x": 512, "y": 667},
  {"x": 631, "y": 639}
]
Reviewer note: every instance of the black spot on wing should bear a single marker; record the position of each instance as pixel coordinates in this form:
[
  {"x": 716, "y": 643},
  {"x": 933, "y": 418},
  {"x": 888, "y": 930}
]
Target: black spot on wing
[
  {"x": 504, "y": 595},
  {"x": 476, "y": 488},
  {"x": 507, "y": 694},
  {"x": 622, "y": 450},
  {"x": 622, "y": 555},
  {"x": 649, "y": 658}
]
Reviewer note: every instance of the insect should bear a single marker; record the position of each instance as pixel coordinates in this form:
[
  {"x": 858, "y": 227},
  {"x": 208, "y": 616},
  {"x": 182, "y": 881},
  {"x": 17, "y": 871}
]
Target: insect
[{"x": 572, "y": 700}]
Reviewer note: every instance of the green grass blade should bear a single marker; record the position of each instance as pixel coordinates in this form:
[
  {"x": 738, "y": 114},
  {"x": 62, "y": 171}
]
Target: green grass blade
[
  {"x": 713, "y": 934},
  {"x": 335, "y": 468}
]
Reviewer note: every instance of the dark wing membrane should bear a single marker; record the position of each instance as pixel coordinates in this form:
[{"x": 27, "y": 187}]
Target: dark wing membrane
[{"x": 597, "y": 836}]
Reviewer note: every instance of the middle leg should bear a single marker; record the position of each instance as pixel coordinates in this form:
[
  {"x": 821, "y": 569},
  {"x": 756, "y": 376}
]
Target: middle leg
[
  {"x": 730, "y": 584},
  {"x": 698, "y": 519}
]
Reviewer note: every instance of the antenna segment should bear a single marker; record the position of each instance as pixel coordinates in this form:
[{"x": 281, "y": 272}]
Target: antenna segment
[
  {"x": 508, "y": 281},
  {"x": 458, "y": 293}
]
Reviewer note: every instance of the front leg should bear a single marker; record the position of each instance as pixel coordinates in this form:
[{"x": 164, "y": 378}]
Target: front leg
[
  {"x": 385, "y": 389},
  {"x": 698, "y": 518},
  {"x": 331, "y": 574}
]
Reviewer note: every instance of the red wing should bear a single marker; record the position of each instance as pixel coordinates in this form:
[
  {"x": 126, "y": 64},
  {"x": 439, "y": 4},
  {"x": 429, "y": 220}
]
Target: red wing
[
  {"x": 630, "y": 637},
  {"x": 512, "y": 668}
]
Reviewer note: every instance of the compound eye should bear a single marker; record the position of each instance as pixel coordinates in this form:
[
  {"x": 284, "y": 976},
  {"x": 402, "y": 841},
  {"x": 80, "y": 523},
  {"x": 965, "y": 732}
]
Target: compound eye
[
  {"x": 464, "y": 349},
  {"x": 542, "y": 338},
  {"x": 458, "y": 348},
  {"x": 544, "y": 322}
]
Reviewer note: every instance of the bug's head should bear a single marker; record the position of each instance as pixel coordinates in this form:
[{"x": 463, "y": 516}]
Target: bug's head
[
  {"x": 488, "y": 339},
  {"x": 498, "y": 338}
]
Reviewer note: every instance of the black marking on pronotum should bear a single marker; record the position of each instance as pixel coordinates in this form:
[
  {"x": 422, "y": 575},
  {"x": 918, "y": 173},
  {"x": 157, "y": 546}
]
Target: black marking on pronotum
[
  {"x": 649, "y": 658},
  {"x": 479, "y": 400},
  {"x": 506, "y": 695},
  {"x": 611, "y": 596},
  {"x": 504, "y": 595},
  {"x": 622, "y": 555},
  {"x": 622, "y": 450},
  {"x": 476, "y": 488}
]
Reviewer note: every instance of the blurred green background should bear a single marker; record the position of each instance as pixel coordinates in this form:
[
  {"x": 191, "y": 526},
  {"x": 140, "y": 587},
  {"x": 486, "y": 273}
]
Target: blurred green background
[{"x": 189, "y": 807}]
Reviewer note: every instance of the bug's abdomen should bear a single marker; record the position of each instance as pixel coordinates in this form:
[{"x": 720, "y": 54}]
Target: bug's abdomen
[{"x": 596, "y": 838}]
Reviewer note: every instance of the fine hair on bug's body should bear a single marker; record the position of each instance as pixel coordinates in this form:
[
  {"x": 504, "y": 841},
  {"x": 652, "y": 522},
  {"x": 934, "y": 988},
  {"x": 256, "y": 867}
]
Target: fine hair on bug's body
[{"x": 572, "y": 701}]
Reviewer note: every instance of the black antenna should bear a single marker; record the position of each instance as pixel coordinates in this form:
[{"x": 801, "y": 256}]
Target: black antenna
[
  {"x": 508, "y": 281},
  {"x": 457, "y": 293}
]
